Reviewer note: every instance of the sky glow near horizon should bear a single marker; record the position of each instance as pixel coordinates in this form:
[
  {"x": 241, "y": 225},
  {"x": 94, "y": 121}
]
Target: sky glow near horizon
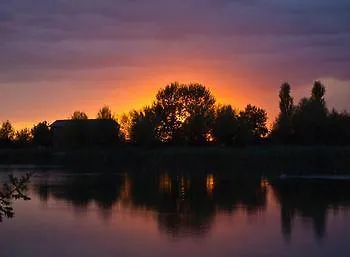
[{"x": 61, "y": 56}]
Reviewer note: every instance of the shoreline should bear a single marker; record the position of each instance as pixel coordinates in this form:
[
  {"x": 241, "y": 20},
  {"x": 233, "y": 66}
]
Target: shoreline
[{"x": 259, "y": 159}]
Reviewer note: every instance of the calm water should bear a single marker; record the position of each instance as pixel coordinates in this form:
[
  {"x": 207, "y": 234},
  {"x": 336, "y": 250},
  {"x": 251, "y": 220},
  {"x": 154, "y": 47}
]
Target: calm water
[{"x": 175, "y": 215}]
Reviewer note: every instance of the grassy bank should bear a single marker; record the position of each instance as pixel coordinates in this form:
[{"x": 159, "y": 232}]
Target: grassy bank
[{"x": 259, "y": 160}]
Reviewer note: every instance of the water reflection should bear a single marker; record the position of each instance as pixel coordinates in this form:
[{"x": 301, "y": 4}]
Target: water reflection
[
  {"x": 187, "y": 205},
  {"x": 183, "y": 205},
  {"x": 312, "y": 202}
]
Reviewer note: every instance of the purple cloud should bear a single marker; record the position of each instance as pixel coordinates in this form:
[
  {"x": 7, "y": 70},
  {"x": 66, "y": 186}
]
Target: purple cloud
[{"x": 271, "y": 40}]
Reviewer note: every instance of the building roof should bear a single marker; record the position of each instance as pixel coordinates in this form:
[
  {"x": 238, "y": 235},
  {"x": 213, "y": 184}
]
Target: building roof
[
  {"x": 59, "y": 123},
  {"x": 63, "y": 123}
]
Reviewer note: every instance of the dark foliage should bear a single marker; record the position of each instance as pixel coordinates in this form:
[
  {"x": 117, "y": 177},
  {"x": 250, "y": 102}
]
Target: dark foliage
[
  {"x": 186, "y": 115},
  {"x": 23, "y": 138},
  {"x": 105, "y": 113},
  {"x": 282, "y": 129},
  {"x": 42, "y": 135},
  {"x": 79, "y": 115},
  {"x": 310, "y": 122},
  {"x": 144, "y": 128},
  {"x": 7, "y": 134},
  {"x": 13, "y": 189},
  {"x": 310, "y": 118},
  {"x": 338, "y": 132},
  {"x": 225, "y": 127},
  {"x": 252, "y": 125}
]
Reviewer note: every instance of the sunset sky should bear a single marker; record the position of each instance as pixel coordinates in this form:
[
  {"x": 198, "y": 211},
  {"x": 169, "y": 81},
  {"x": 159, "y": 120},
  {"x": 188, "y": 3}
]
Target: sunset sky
[{"x": 57, "y": 56}]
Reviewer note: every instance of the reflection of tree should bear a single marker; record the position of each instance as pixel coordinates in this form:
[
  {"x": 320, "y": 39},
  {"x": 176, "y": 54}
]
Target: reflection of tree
[
  {"x": 81, "y": 190},
  {"x": 310, "y": 200},
  {"x": 190, "y": 208},
  {"x": 183, "y": 205},
  {"x": 187, "y": 205},
  {"x": 240, "y": 193}
]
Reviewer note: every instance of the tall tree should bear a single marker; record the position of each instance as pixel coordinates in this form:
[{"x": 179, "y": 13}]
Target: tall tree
[
  {"x": 79, "y": 115},
  {"x": 105, "y": 113},
  {"x": 318, "y": 92},
  {"x": 286, "y": 101},
  {"x": 282, "y": 129},
  {"x": 311, "y": 117}
]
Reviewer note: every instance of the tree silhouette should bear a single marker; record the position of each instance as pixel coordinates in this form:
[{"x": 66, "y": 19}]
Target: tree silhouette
[
  {"x": 225, "y": 127},
  {"x": 125, "y": 124},
  {"x": 282, "y": 129},
  {"x": 23, "y": 137},
  {"x": 318, "y": 92},
  {"x": 286, "y": 101},
  {"x": 199, "y": 105},
  {"x": 338, "y": 132},
  {"x": 197, "y": 127},
  {"x": 105, "y": 113},
  {"x": 42, "y": 135},
  {"x": 144, "y": 127},
  {"x": 7, "y": 134},
  {"x": 252, "y": 122},
  {"x": 78, "y": 115},
  {"x": 183, "y": 107},
  {"x": 311, "y": 117},
  {"x": 171, "y": 111}
]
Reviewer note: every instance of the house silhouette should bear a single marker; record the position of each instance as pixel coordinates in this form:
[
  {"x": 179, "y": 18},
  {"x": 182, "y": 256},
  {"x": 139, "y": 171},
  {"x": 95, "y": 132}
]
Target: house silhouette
[{"x": 84, "y": 133}]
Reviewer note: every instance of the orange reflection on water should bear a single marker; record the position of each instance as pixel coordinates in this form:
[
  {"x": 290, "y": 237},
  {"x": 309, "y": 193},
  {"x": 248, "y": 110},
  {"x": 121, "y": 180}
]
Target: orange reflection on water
[
  {"x": 165, "y": 183},
  {"x": 210, "y": 184},
  {"x": 264, "y": 183},
  {"x": 125, "y": 192}
]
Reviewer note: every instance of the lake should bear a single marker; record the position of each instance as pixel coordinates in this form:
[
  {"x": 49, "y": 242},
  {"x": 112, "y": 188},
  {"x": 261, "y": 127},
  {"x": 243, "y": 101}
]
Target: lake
[{"x": 175, "y": 214}]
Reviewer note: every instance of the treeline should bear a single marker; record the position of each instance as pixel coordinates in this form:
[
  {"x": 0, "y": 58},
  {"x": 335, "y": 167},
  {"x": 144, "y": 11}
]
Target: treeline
[
  {"x": 310, "y": 122},
  {"x": 188, "y": 114}
]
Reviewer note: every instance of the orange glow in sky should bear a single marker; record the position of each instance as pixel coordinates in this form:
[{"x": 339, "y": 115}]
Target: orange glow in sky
[
  {"x": 82, "y": 55},
  {"x": 138, "y": 88}
]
